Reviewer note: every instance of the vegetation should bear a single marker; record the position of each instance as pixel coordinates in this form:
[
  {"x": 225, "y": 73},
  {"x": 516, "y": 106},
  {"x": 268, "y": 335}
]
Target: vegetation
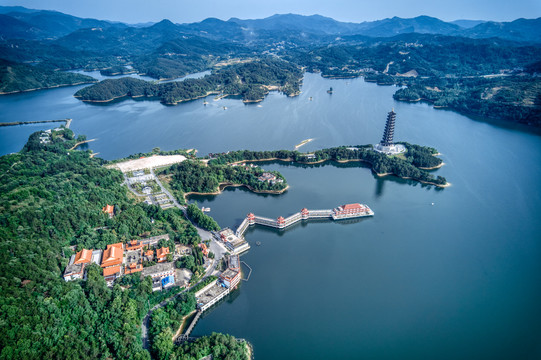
[
  {"x": 194, "y": 176},
  {"x": 515, "y": 98},
  {"x": 220, "y": 346},
  {"x": 416, "y": 158},
  {"x": 165, "y": 321},
  {"x": 51, "y": 198},
  {"x": 202, "y": 220},
  {"x": 247, "y": 80},
  {"x": 19, "y": 77},
  {"x": 117, "y": 70}
]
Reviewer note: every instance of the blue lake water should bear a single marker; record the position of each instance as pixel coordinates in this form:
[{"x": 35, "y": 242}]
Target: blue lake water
[{"x": 459, "y": 279}]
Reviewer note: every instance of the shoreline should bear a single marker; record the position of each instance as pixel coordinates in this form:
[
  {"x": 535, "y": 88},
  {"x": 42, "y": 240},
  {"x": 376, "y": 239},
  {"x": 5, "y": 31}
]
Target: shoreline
[
  {"x": 222, "y": 186},
  {"x": 47, "y": 87},
  {"x": 347, "y": 161}
]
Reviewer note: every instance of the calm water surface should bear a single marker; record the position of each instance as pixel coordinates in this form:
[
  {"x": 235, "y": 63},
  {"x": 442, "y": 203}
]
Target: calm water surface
[{"x": 460, "y": 279}]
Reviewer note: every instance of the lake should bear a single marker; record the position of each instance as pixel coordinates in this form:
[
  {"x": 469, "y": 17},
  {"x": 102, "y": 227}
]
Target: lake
[{"x": 457, "y": 279}]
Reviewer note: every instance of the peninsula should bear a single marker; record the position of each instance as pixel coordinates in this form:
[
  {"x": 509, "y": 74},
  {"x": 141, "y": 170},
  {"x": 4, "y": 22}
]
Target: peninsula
[
  {"x": 15, "y": 78},
  {"x": 250, "y": 80}
]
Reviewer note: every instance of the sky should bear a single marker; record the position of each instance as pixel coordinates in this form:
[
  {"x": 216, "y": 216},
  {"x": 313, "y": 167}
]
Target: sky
[{"x": 185, "y": 11}]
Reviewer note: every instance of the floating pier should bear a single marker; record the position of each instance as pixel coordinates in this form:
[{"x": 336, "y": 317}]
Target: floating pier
[{"x": 347, "y": 211}]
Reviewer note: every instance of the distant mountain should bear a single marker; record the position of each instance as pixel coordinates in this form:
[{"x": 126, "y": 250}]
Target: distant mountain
[
  {"x": 420, "y": 24},
  {"x": 313, "y": 24},
  {"x": 216, "y": 29},
  {"x": 21, "y": 9},
  {"x": 518, "y": 30},
  {"x": 52, "y": 24},
  {"x": 11, "y": 28},
  {"x": 466, "y": 24}
]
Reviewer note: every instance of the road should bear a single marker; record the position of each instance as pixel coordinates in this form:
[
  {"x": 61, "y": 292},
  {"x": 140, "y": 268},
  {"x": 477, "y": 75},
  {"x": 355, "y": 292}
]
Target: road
[{"x": 218, "y": 249}]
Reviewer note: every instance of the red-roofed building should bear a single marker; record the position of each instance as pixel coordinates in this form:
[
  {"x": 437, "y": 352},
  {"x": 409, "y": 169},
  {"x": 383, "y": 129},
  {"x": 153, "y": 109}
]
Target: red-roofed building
[
  {"x": 111, "y": 271},
  {"x": 149, "y": 255},
  {"x": 161, "y": 254},
  {"x": 83, "y": 257},
  {"x": 204, "y": 249},
  {"x": 134, "y": 245},
  {"x": 133, "y": 268},
  {"x": 109, "y": 209},
  {"x": 112, "y": 255},
  {"x": 111, "y": 260}
]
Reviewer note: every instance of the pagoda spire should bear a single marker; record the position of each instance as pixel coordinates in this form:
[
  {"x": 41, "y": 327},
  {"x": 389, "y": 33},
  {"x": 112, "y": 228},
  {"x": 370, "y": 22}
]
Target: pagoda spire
[{"x": 388, "y": 133}]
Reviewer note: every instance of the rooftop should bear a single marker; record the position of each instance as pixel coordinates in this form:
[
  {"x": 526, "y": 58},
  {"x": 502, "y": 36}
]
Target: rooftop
[
  {"x": 157, "y": 269},
  {"x": 112, "y": 255},
  {"x": 161, "y": 252},
  {"x": 82, "y": 257},
  {"x": 229, "y": 274},
  {"x": 111, "y": 270}
]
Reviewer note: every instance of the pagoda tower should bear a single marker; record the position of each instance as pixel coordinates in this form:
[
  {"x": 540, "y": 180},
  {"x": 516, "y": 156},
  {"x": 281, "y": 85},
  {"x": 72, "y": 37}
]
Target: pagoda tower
[
  {"x": 387, "y": 139},
  {"x": 387, "y": 144}
]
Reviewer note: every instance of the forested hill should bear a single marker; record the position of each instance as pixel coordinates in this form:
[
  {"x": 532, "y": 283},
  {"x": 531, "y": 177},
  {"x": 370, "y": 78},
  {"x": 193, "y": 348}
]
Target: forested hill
[
  {"x": 249, "y": 80},
  {"x": 50, "y": 199},
  {"x": 19, "y": 77}
]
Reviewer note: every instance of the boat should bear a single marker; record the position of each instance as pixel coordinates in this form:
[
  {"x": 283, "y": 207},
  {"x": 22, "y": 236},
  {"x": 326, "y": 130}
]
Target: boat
[
  {"x": 310, "y": 98},
  {"x": 329, "y": 91},
  {"x": 205, "y": 102},
  {"x": 350, "y": 211}
]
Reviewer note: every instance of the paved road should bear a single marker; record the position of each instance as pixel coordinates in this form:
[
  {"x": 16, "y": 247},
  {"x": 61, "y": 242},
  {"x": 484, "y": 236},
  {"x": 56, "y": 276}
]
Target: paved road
[{"x": 218, "y": 249}]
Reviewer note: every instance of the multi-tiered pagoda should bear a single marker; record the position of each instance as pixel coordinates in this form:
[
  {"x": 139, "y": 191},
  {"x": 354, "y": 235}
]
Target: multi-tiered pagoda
[
  {"x": 387, "y": 145},
  {"x": 387, "y": 139}
]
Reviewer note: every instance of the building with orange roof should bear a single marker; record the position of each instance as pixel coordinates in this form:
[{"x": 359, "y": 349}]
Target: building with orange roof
[
  {"x": 111, "y": 271},
  {"x": 161, "y": 254},
  {"x": 149, "y": 255},
  {"x": 134, "y": 245},
  {"x": 113, "y": 255},
  {"x": 133, "y": 259},
  {"x": 111, "y": 260},
  {"x": 109, "y": 209},
  {"x": 204, "y": 249},
  {"x": 133, "y": 268},
  {"x": 76, "y": 266},
  {"x": 83, "y": 257}
]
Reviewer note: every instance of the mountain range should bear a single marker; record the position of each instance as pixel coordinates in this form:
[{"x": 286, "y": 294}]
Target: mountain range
[{"x": 21, "y": 23}]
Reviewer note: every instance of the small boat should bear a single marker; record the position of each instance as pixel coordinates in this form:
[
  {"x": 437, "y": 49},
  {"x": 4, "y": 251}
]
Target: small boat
[
  {"x": 225, "y": 107},
  {"x": 205, "y": 102},
  {"x": 310, "y": 98},
  {"x": 329, "y": 91}
]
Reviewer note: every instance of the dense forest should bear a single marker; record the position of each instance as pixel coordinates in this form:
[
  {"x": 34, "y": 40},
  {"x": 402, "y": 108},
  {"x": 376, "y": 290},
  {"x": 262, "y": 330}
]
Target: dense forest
[
  {"x": 51, "y": 198},
  {"x": 194, "y": 176},
  {"x": 515, "y": 98},
  {"x": 248, "y": 80},
  {"x": 202, "y": 219},
  {"x": 410, "y": 166},
  {"x": 20, "y": 77}
]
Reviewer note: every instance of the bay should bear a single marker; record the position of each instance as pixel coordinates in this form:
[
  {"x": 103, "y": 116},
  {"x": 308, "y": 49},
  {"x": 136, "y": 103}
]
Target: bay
[{"x": 457, "y": 279}]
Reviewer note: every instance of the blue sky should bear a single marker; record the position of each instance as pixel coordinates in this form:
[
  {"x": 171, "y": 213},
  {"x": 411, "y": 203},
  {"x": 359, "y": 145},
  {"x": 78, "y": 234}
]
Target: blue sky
[{"x": 180, "y": 11}]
